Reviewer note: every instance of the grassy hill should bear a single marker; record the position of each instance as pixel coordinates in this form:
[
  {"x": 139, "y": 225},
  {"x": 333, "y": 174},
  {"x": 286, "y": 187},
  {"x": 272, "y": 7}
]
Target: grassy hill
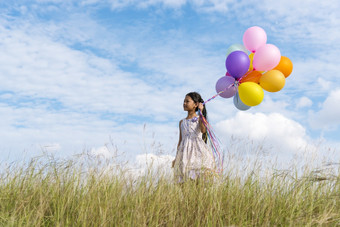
[{"x": 71, "y": 193}]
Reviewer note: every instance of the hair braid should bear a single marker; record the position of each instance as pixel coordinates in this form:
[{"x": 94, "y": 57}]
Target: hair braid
[{"x": 196, "y": 97}]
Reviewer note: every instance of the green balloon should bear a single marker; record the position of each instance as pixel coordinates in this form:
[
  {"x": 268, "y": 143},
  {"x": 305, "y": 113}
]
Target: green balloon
[{"x": 236, "y": 47}]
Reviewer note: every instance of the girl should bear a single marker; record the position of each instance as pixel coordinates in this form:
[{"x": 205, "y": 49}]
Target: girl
[{"x": 193, "y": 156}]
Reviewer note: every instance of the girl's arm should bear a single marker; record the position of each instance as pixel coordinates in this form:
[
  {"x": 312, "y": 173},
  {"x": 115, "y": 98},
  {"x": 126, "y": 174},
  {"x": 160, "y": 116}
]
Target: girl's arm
[
  {"x": 179, "y": 142},
  {"x": 202, "y": 126},
  {"x": 180, "y": 135}
]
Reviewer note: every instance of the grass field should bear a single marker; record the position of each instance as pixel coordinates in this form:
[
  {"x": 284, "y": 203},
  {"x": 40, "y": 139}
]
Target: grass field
[{"x": 57, "y": 192}]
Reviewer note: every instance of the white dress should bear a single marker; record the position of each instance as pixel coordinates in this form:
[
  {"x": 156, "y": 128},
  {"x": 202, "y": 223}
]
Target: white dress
[{"x": 193, "y": 156}]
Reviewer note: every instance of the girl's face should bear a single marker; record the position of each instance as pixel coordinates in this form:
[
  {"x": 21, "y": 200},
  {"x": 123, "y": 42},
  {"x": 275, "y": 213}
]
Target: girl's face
[{"x": 189, "y": 104}]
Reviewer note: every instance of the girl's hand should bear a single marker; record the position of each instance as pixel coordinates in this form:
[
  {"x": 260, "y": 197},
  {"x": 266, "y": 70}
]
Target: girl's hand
[
  {"x": 173, "y": 163},
  {"x": 200, "y": 107}
]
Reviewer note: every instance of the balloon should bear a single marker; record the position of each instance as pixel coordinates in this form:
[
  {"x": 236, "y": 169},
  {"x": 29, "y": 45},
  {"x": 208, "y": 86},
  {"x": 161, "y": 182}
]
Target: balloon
[
  {"x": 251, "y": 93},
  {"x": 254, "y": 38},
  {"x": 273, "y": 81},
  {"x": 266, "y": 57},
  {"x": 285, "y": 66},
  {"x": 253, "y": 76},
  {"x": 236, "y": 47},
  {"x": 227, "y": 74},
  {"x": 251, "y": 57},
  {"x": 226, "y": 83},
  {"x": 237, "y": 63},
  {"x": 239, "y": 104}
]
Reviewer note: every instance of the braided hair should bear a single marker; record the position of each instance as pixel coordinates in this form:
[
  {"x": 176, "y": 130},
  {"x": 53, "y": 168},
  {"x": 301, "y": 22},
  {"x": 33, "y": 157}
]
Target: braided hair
[{"x": 196, "y": 97}]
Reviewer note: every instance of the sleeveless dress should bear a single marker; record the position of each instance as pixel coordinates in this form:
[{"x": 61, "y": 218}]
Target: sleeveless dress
[{"x": 194, "y": 157}]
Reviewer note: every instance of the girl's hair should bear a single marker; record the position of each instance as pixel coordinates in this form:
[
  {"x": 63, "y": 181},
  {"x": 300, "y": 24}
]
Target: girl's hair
[{"x": 196, "y": 97}]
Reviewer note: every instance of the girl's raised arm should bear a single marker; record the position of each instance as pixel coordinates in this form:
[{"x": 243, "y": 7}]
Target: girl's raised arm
[{"x": 202, "y": 126}]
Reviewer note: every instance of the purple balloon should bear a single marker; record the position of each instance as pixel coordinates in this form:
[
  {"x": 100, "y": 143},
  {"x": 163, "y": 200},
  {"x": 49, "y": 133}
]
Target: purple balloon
[
  {"x": 237, "y": 63},
  {"x": 226, "y": 84}
]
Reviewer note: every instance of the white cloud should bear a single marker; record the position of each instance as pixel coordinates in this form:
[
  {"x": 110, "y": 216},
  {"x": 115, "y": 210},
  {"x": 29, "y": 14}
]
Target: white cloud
[
  {"x": 305, "y": 80},
  {"x": 269, "y": 105},
  {"x": 151, "y": 164},
  {"x": 157, "y": 161},
  {"x": 51, "y": 147},
  {"x": 205, "y": 5},
  {"x": 102, "y": 151},
  {"x": 90, "y": 2},
  {"x": 274, "y": 130},
  {"x": 38, "y": 67},
  {"x": 34, "y": 129},
  {"x": 328, "y": 116},
  {"x": 325, "y": 84},
  {"x": 304, "y": 102}
]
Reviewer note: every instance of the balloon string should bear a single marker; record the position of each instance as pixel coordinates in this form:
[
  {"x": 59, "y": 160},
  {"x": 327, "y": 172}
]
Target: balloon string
[
  {"x": 214, "y": 141},
  {"x": 246, "y": 74},
  {"x": 236, "y": 83}
]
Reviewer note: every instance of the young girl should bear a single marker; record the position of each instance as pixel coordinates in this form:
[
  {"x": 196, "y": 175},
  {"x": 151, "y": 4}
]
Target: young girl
[{"x": 193, "y": 157}]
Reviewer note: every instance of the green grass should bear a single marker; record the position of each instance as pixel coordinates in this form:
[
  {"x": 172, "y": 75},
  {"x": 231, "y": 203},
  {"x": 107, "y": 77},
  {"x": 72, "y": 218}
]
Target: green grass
[{"x": 71, "y": 193}]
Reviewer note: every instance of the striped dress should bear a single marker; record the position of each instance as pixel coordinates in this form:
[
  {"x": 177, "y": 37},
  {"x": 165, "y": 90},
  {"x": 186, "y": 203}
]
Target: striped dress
[{"x": 193, "y": 156}]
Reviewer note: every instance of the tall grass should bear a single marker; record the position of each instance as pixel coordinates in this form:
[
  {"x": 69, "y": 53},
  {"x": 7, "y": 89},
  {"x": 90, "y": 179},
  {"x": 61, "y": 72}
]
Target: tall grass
[{"x": 60, "y": 192}]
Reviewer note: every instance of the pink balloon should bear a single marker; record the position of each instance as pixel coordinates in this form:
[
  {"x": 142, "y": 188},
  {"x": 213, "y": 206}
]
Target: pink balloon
[
  {"x": 266, "y": 57},
  {"x": 254, "y": 38}
]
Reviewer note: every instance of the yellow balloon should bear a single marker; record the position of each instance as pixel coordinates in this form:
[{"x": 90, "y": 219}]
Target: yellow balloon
[
  {"x": 273, "y": 81},
  {"x": 251, "y": 57},
  {"x": 251, "y": 67},
  {"x": 250, "y": 93}
]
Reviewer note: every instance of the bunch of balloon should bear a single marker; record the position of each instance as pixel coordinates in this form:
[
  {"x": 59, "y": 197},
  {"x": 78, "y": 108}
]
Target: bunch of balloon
[{"x": 248, "y": 74}]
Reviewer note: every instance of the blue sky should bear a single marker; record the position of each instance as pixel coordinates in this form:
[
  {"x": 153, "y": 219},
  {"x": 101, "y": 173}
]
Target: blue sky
[{"x": 83, "y": 75}]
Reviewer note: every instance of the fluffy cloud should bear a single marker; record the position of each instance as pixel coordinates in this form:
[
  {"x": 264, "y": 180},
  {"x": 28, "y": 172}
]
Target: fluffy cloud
[
  {"x": 328, "y": 116},
  {"x": 275, "y": 130},
  {"x": 324, "y": 84},
  {"x": 157, "y": 161},
  {"x": 304, "y": 102},
  {"x": 102, "y": 152},
  {"x": 153, "y": 164},
  {"x": 205, "y": 5}
]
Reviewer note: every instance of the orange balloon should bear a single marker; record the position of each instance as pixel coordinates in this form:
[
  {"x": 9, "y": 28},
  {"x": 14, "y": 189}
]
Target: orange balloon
[
  {"x": 251, "y": 76},
  {"x": 285, "y": 66},
  {"x": 273, "y": 81}
]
